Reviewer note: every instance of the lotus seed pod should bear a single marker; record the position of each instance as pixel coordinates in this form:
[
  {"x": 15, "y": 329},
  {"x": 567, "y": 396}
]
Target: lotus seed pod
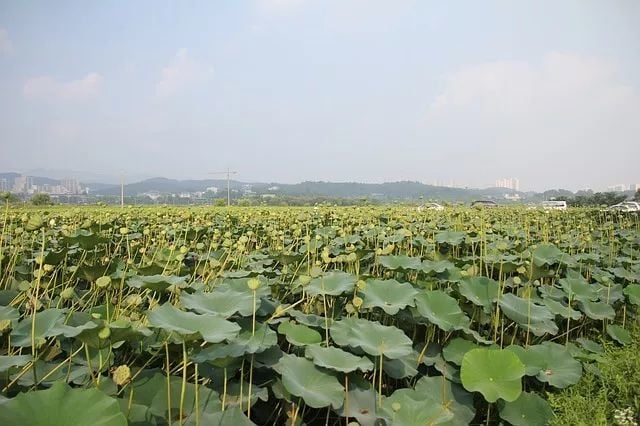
[
  {"x": 5, "y": 325},
  {"x": 103, "y": 282},
  {"x": 48, "y": 268},
  {"x": 67, "y": 293},
  {"x": 253, "y": 283},
  {"x": 517, "y": 280},
  {"x": 357, "y": 302},
  {"x": 104, "y": 333},
  {"x": 304, "y": 279},
  {"x": 121, "y": 375},
  {"x": 124, "y": 231}
]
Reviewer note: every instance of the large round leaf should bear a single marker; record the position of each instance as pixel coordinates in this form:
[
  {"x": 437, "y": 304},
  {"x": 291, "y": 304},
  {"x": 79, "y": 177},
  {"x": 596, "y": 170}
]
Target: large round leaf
[
  {"x": 632, "y": 291},
  {"x": 224, "y": 303},
  {"x": 301, "y": 378},
  {"x": 528, "y": 410},
  {"x": 298, "y": 334},
  {"x": 537, "y": 318},
  {"x": 619, "y": 334},
  {"x": 390, "y": 295},
  {"x": 442, "y": 310},
  {"x": 400, "y": 262},
  {"x": 480, "y": 291},
  {"x": 495, "y": 373},
  {"x": 212, "y": 328},
  {"x": 546, "y": 255},
  {"x": 598, "y": 310},
  {"x": 559, "y": 368},
  {"x": 63, "y": 406},
  {"x": 373, "y": 338},
  {"x": 156, "y": 282},
  {"x": 337, "y": 359},
  {"x": 333, "y": 284}
]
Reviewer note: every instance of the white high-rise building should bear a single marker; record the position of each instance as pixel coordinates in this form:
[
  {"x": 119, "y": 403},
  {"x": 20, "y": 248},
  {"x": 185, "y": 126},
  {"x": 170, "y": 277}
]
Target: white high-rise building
[
  {"x": 509, "y": 183},
  {"x": 22, "y": 184}
]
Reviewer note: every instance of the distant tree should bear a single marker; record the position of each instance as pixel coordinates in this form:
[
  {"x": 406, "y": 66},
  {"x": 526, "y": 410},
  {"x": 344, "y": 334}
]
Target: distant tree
[
  {"x": 9, "y": 198},
  {"x": 637, "y": 196},
  {"x": 41, "y": 200},
  {"x": 219, "y": 202}
]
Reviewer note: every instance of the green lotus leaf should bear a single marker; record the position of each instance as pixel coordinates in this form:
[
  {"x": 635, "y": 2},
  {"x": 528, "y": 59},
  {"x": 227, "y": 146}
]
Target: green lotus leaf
[
  {"x": 298, "y": 334},
  {"x": 390, "y": 295},
  {"x": 337, "y": 359},
  {"x": 442, "y": 310},
  {"x": 414, "y": 413},
  {"x": 232, "y": 416},
  {"x": 372, "y": 337},
  {"x": 60, "y": 405},
  {"x": 619, "y": 334},
  {"x": 451, "y": 396},
  {"x": 302, "y": 378},
  {"x": 577, "y": 288},
  {"x": 310, "y": 320},
  {"x": 495, "y": 373},
  {"x": 450, "y": 237},
  {"x": 247, "y": 342},
  {"x": 221, "y": 303},
  {"x": 632, "y": 291},
  {"x": 557, "y": 308},
  {"x": 436, "y": 266},
  {"x": 529, "y": 315},
  {"x": 156, "y": 282},
  {"x": 8, "y": 361},
  {"x": 362, "y": 406},
  {"x": 456, "y": 348},
  {"x": 401, "y": 262},
  {"x": 559, "y": 368},
  {"x": 212, "y": 328},
  {"x": 533, "y": 361},
  {"x": 150, "y": 390},
  {"x": 238, "y": 395},
  {"x": 9, "y": 313},
  {"x": 403, "y": 367},
  {"x": 333, "y": 283},
  {"x": 528, "y": 410},
  {"x": 480, "y": 291},
  {"x": 625, "y": 274},
  {"x": 46, "y": 325},
  {"x": 547, "y": 255},
  {"x": 590, "y": 345},
  {"x": 87, "y": 240},
  {"x": 598, "y": 310}
]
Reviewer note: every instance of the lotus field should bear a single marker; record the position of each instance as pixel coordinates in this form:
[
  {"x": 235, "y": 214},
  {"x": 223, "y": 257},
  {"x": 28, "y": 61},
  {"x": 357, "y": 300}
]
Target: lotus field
[{"x": 374, "y": 315}]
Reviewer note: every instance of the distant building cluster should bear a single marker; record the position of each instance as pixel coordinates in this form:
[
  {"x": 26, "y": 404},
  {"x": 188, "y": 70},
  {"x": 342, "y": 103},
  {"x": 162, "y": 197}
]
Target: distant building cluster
[
  {"x": 508, "y": 183},
  {"x": 621, "y": 187},
  {"x": 448, "y": 184},
  {"x": 25, "y": 185}
]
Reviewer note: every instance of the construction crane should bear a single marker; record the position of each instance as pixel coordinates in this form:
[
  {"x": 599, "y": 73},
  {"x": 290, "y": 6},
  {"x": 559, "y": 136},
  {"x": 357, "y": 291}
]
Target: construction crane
[{"x": 228, "y": 173}]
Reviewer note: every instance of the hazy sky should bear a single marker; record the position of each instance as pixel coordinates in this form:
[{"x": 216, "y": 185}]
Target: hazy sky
[{"x": 343, "y": 90}]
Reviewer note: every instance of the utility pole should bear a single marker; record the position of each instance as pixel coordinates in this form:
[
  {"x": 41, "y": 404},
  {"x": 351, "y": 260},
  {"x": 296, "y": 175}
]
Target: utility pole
[
  {"x": 228, "y": 173},
  {"x": 121, "y": 189}
]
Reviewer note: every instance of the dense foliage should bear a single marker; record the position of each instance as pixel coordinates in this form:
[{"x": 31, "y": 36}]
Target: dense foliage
[{"x": 307, "y": 315}]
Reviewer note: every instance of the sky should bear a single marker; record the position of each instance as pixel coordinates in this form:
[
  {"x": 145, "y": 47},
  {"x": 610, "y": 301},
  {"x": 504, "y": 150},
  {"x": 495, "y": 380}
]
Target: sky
[{"x": 336, "y": 90}]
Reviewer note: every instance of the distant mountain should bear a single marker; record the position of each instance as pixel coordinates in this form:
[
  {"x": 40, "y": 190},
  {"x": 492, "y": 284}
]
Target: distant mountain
[
  {"x": 388, "y": 191},
  {"x": 382, "y": 191}
]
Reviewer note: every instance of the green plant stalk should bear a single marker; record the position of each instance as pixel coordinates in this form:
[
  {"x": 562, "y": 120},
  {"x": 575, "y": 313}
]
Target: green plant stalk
[{"x": 168, "y": 371}]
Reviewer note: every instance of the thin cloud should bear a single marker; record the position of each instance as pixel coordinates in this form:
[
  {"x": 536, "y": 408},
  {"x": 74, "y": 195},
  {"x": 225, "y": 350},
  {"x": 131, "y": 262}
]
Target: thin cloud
[
  {"x": 5, "y": 42},
  {"x": 182, "y": 73},
  {"x": 47, "y": 88}
]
